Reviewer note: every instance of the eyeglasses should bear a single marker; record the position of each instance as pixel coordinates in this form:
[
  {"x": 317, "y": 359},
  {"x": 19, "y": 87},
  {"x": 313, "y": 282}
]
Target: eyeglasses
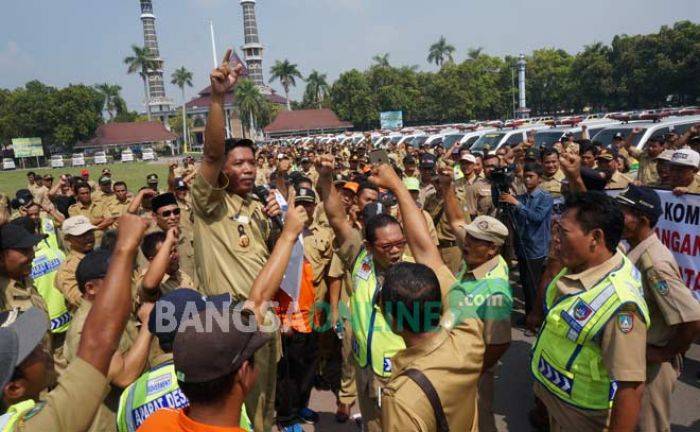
[
  {"x": 389, "y": 246},
  {"x": 168, "y": 213}
]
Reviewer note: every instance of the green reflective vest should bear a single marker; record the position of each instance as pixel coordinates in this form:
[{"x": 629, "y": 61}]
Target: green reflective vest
[
  {"x": 154, "y": 390},
  {"x": 11, "y": 419},
  {"x": 373, "y": 342},
  {"x": 48, "y": 256},
  {"x": 474, "y": 298},
  {"x": 567, "y": 358}
]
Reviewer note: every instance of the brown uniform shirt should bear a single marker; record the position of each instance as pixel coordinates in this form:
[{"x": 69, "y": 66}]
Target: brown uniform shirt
[
  {"x": 168, "y": 284},
  {"x": 230, "y": 235},
  {"x": 66, "y": 281},
  {"x": 647, "y": 173},
  {"x": 72, "y": 404},
  {"x": 318, "y": 250},
  {"x": 670, "y": 302},
  {"x": 94, "y": 211},
  {"x": 624, "y": 354},
  {"x": 694, "y": 187},
  {"x": 618, "y": 181},
  {"x": 478, "y": 198},
  {"x": 19, "y": 294},
  {"x": 552, "y": 184}
]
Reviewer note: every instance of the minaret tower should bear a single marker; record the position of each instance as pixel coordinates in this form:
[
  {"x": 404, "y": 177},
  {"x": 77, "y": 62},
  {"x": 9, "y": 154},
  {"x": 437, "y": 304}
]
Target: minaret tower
[
  {"x": 523, "y": 111},
  {"x": 156, "y": 100},
  {"x": 252, "y": 49}
]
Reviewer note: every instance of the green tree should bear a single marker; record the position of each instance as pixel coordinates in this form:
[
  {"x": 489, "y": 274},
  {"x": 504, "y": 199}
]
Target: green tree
[
  {"x": 181, "y": 78},
  {"x": 286, "y": 73},
  {"x": 381, "y": 60},
  {"x": 141, "y": 61},
  {"x": 251, "y": 104},
  {"x": 440, "y": 52},
  {"x": 592, "y": 77},
  {"x": 548, "y": 80},
  {"x": 474, "y": 53},
  {"x": 316, "y": 89},
  {"x": 351, "y": 99},
  {"x": 112, "y": 97},
  {"x": 394, "y": 89}
]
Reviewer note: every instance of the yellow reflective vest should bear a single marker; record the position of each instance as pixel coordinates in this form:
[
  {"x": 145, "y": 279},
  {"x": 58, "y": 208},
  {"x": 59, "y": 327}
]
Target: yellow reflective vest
[{"x": 48, "y": 256}]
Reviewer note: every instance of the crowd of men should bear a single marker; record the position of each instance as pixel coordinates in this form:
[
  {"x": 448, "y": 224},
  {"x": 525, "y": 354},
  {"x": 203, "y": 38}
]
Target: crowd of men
[{"x": 166, "y": 310}]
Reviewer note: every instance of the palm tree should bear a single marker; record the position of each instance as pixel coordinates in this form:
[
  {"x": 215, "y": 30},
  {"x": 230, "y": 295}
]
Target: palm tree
[
  {"x": 141, "y": 61},
  {"x": 381, "y": 60},
  {"x": 111, "y": 94},
  {"x": 285, "y": 72},
  {"x": 251, "y": 104},
  {"x": 474, "y": 53},
  {"x": 181, "y": 78},
  {"x": 317, "y": 87},
  {"x": 440, "y": 52}
]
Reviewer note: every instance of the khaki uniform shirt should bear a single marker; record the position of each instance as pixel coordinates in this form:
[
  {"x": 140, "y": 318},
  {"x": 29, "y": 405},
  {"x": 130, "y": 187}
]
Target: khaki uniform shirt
[
  {"x": 426, "y": 191},
  {"x": 19, "y": 294},
  {"x": 168, "y": 284},
  {"x": 102, "y": 198},
  {"x": 230, "y": 235},
  {"x": 312, "y": 174},
  {"x": 694, "y": 187},
  {"x": 72, "y": 404},
  {"x": 262, "y": 176},
  {"x": 434, "y": 207},
  {"x": 478, "y": 198},
  {"x": 106, "y": 416},
  {"x": 65, "y": 280},
  {"x": 116, "y": 209},
  {"x": 624, "y": 354},
  {"x": 670, "y": 301},
  {"x": 618, "y": 181},
  {"x": 94, "y": 211},
  {"x": 318, "y": 250},
  {"x": 41, "y": 194},
  {"x": 647, "y": 173},
  {"x": 552, "y": 184}
]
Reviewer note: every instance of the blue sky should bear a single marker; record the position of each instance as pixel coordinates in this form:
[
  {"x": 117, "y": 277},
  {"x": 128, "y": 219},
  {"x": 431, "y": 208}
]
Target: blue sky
[{"x": 72, "y": 41}]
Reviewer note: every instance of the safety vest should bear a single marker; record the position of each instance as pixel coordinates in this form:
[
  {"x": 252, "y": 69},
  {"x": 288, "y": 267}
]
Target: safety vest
[
  {"x": 154, "y": 390},
  {"x": 48, "y": 256},
  {"x": 567, "y": 358},
  {"x": 470, "y": 299},
  {"x": 15, "y": 415},
  {"x": 373, "y": 341}
]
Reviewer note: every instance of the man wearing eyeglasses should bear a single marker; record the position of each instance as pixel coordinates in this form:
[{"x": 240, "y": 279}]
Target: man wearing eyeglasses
[{"x": 166, "y": 213}]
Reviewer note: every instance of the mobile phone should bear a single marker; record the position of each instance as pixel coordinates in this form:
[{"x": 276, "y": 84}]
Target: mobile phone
[{"x": 378, "y": 157}]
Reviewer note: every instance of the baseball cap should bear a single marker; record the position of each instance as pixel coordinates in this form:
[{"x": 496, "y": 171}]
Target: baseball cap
[
  {"x": 172, "y": 306},
  {"x": 641, "y": 198},
  {"x": 411, "y": 183},
  {"x": 20, "y": 334},
  {"x": 594, "y": 179},
  {"x": 352, "y": 186},
  {"x": 202, "y": 356},
  {"x": 14, "y": 236},
  {"x": 84, "y": 172},
  {"x": 152, "y": 178},
  {"x": 685, "y": 157},
  {"x": 23, "y": 197},
  {"x": 105, "y": 180},
  {"x": 162, "y": 200},
  {"x": 305, "y": 195},
  {"x": 179, "y": 183},
  {"x": 467, "y": 157},
  {"x": 107, "y": 172},
  {"x": 93, "y": 266},
  {"x": 665, "y": 155},
  {"x": 607, "y": 153},
  {"x": 77, "y": 225},
  {"x": 305, "y": 160},
  {"x": 489, "y": 229},
  {"x": 409, "y": 160}
]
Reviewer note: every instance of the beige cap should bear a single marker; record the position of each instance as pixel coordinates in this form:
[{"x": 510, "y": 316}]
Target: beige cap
[
  {"x": 77, "y": 225},
  {"x": 489, "y": 229},
  {"x": 467, "y": 157},
  {"x": 685, "y": 157},
  {"x": 666, "y": 155}
]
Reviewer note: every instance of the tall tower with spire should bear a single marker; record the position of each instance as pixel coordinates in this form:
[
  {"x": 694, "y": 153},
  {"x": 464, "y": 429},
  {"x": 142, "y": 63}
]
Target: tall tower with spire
[
  {"x": 158, "y": 103},
  {"x": 252, "y": 49}
]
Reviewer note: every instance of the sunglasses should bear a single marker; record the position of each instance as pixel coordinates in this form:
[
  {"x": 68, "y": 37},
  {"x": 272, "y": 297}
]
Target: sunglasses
[
  {"x": 168, "y": 213},
  {"x": 389, "y": 246}
]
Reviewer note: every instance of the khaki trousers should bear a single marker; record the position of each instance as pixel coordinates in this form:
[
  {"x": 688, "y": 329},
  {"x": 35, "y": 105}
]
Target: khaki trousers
[
  {"x": 368, "y": 385},
  {"x": 655, "y": 412},
  {"x": 260, "y": 402},
  {"x": 484, "y": 401},
  {"x": 348, "y": 391}
]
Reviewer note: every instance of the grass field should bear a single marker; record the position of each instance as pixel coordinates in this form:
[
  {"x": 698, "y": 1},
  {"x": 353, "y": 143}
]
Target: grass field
[{"x": 134, "y": 174}]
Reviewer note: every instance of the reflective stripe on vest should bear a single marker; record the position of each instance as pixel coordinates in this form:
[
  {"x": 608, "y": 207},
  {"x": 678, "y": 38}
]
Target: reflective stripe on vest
[
  {"x": 47, "y": 259},
  {"x": 154, "y": 390},
  {"x": 10, "y": 420},
  {"x": 373, "y": 341},
  {"x": 566, "y": 357}
]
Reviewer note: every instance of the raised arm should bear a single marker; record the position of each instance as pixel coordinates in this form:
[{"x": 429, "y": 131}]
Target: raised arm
[
  {"x": 105, "y": 323},
  {"x": 135, "y": 204},
  {"x": 416, "y": 231},
  {"x": 222, "y": 80},
  {"x": 126, "y": 368},
  {"x": 158, "y": 266},
  {"x": 453, "y": 210},
  {"x": 332, "y": 204},
  {"x": 268, "y": 281}
]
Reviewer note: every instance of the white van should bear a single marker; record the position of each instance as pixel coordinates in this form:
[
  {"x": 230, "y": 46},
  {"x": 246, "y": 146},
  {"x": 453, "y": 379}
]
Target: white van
[
  {"x": 647, "y": 129},
  {"x": 8, "y": 164},
  {"x": 127, "y": 155},
  {"x": 78, "y": 159},
  {"x": 148, "y": 154},
  {"x": 100, "y": 158},
  {"x": 57, "y": 161},
  {"x": 495, "y": 139}
]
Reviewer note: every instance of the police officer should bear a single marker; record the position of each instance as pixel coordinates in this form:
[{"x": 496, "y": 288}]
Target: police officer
[
  {"x": 589, "y": 357},
  {"x": 158, "y": 388},
  {"x": 674, "y": 312},
  {"x": 80, "y": 235}
]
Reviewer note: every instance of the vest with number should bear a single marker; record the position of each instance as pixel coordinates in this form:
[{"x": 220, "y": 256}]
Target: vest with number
[
  {"x": 154, "y": 390},
  {"x": 373, "y": 341},
  {"x": 567, "y": 358},
  {"x": 48, "y": 256},
  {"x": 15, "y": 415}
]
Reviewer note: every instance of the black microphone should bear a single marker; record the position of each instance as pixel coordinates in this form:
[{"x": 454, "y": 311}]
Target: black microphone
[{"x": 262, "y": 192}]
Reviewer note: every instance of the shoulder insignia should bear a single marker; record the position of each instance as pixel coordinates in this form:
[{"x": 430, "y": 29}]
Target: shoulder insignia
[
  {"x": 661, "y": 286},
  {"x": 625, "y": 322}
]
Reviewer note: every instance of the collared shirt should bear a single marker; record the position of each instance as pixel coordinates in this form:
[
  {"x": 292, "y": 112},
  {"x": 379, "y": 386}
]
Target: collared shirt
[
  {"x": 94, "y": 211},
  {"x": 479, "y": 198},
  {"x": 552, "y": 184},
  {"x": 618, "y": 181},
  {"x": 65, "y": 280},
  {"x": 533, "y": 216},
  {"x": 168, "y": 284},
  {"x": 19, "y": 294},
  {"x": 670, "y": 301},
  {"x": 318, "y": 250}
]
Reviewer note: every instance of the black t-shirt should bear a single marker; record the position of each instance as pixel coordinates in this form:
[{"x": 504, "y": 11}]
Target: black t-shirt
[{"x": 62, "y": 203}]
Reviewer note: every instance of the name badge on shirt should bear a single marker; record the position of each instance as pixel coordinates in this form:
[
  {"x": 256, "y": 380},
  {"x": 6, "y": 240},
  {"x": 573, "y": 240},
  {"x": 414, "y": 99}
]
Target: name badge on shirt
[{"x": 242, "y": 219}]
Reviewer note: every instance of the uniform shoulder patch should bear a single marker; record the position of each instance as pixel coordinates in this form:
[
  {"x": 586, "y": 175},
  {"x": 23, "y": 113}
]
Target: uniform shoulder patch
[
  {"x": 657, "y": 282},
  {"x": 625, "y": 322}
]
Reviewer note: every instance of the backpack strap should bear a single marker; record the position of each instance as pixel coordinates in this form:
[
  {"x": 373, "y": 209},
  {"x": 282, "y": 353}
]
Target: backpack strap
[{"x": 424, "y": 383}]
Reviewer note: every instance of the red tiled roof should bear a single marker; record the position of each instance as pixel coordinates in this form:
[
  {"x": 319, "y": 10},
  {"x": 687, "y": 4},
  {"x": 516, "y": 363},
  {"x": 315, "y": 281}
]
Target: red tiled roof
[
  {"x": 118, "y": 134},
  {"x": 304, "y": 120}
]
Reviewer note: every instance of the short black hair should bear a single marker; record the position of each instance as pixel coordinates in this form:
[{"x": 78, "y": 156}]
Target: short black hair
[
  {"x": 149, "y": 243},
  {"x": 109, "y": 240},
  {"x": 589, "y": 148},
  {"x": 31, "y": 173},
  {"x": 81, "y": 185},
  {"x": 377, "y": 222},
  {"x": 301, "y": 179},
  {"x": 411, "y": 296},
  {"x": 366, "y": 185},
  {"x": 548, "y": 152},
  {"x": 489, "y": 155},
  {"x": 534, "y": 167},
  {"x": 597, "y": 210},
  {"x": 232, "y": 143},
  {"x": 120, "y": 183},
  {"x": 208, "y": 392}
]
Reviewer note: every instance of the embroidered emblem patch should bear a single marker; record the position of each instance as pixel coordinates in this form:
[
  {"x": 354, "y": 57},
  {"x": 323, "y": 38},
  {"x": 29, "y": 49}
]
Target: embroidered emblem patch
[
  {"x": 581, "y": 310},
  {"x": 625, "y": 321},
  {"x": 483, "y": 225},
  {"x": 662, "y": 287}
]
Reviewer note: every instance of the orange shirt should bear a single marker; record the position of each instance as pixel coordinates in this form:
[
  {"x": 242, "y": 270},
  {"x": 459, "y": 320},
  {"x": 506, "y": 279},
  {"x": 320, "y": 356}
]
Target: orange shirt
[
  {"x": 171, "y": 420},
  {"x": 297, "y": 316}
]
